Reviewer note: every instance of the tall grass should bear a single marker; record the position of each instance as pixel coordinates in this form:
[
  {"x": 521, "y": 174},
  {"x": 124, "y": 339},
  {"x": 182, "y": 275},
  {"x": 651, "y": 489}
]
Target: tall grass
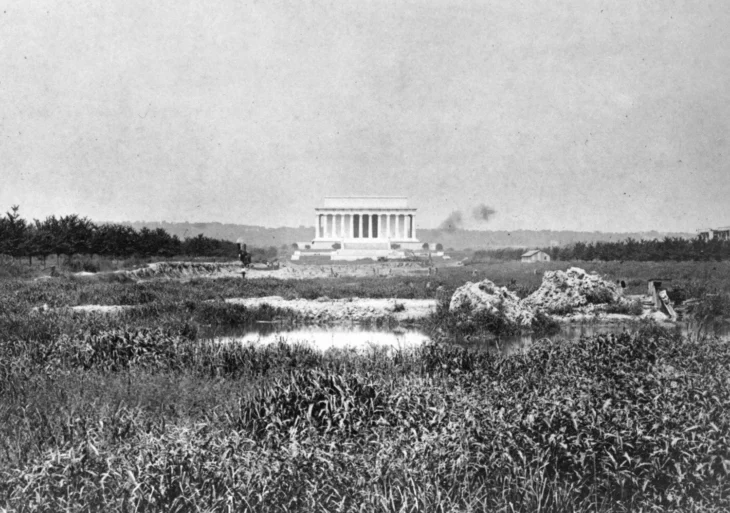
[
  {"x": 141, "y": 412},
  {"x": 150, "y": 421}
]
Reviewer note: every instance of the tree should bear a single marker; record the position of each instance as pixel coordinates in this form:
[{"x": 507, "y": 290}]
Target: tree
[
  {"x": 41, "y": 239},
  {"x": 13, "y": 234}
]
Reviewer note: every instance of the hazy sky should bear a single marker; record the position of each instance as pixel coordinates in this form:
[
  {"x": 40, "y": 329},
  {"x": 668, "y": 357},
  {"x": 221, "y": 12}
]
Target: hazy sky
[{"x": 583, "y": 115}]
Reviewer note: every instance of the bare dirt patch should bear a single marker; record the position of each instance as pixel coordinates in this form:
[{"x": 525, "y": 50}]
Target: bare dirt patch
[
  {"x": 183, "y": 271},
  {"x": 347, "y": 310}
]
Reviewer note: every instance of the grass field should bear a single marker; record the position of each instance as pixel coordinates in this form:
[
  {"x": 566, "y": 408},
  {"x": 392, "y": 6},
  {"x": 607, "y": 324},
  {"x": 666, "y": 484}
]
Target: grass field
[
  {"x": 692, "y": 279},
  {"x": 137, "y": 412}
]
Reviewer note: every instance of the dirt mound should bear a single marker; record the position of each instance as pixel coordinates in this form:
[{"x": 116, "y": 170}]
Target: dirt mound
[
  {"x": 177, "y": 270},
  {"x": 486, "y": 296},
  {"x": 572, "y": 290},
  {"x": 348, "y": 310},
  {"x": 187, "y": 270},
  {"x": 384, "y": 269}
]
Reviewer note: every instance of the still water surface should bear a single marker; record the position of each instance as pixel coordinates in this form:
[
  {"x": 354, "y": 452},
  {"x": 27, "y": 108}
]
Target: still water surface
[{"x": 365, "y": 336}]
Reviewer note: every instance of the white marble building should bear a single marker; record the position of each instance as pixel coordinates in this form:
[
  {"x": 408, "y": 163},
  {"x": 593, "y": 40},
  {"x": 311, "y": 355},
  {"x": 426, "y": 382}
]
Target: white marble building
[{"x": 366, "y": 222}]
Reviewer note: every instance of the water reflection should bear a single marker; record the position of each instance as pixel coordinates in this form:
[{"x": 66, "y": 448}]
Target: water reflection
[
  {"x": 511, "y": 344},
  {"x": 324, "y": 337},
  {"x": 365, "y": 336}
]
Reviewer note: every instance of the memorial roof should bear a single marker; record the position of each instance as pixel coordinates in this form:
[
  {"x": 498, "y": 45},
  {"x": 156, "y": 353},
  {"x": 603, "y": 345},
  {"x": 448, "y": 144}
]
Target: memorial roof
[{"x": 367, "y": 202}]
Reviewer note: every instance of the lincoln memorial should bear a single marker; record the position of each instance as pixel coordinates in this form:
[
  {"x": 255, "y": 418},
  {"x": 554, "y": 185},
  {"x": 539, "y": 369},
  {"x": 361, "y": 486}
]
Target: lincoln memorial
[{"x": 365, "y": 222}]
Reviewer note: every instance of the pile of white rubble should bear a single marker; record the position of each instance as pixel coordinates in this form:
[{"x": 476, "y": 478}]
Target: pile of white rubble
[
  {"x": 574, "y": 291},
  {"x": 486, "y": 296}
]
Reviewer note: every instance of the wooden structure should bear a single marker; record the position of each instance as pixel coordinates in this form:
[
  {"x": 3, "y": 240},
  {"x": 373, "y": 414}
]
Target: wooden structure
[
  {"x": 661, "y": 300},
  {"x": 535, "y": 255}
]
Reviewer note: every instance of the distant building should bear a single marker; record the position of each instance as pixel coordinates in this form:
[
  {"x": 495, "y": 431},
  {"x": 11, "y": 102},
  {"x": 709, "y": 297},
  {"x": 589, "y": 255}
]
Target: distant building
[
  {"x": 714, "y": 233},
  {"x": 374, "y": 227},
  {"x": 366, "y": 221},
  {"x": 535, "y": 255}
]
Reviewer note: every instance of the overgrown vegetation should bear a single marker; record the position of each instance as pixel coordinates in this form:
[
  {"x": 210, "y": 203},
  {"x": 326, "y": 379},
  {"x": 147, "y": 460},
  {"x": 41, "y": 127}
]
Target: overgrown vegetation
[
  {"x": 141, "y": 411},
  {"x": 143, "y": 420},
  {"x": 468, "y": 327}
]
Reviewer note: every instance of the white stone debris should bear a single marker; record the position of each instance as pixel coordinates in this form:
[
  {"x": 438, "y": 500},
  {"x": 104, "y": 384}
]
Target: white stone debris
[
  {"x": 486, "y": 296},
  {"x": 574, "y": 289},
  {"x": 568, "y": 295}
]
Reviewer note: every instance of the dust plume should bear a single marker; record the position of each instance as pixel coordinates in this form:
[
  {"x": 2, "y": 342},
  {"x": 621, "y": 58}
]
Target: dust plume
[
  {"x": 483, "y": 212},
  {"x": 452, "y": 223},
  {"x": 455, "y": 220}
]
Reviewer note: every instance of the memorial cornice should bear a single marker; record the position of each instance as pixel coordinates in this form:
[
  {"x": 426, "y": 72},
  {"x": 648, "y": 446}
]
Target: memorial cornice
[{"x": 363, "y": 209}]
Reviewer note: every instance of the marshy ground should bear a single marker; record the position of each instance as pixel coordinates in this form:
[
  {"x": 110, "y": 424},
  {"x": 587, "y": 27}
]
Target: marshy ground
[{"x": 143, "y": 411}]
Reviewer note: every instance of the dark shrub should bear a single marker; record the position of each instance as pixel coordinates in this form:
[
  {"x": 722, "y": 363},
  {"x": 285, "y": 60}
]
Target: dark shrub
[{"x": 599, "y": 296}]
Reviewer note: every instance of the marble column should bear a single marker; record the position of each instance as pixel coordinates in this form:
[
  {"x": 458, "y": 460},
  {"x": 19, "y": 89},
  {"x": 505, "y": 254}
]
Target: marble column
[
  {"x": 316, "y": 227},
  {"x": 362, "y": 225},
  {"x": 387, "y": 225},
  {"x": 352, "y": 225},
  {"x": 413, "y": 226}
]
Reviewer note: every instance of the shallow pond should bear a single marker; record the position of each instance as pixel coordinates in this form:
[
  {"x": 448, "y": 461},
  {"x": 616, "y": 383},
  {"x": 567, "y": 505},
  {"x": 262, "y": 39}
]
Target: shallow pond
[
  {"x": 325, "y": 337},
  {"x": 364, "y": 336}
]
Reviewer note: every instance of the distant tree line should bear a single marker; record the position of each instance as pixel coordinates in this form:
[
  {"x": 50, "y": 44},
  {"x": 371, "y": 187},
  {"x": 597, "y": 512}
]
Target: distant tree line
[
  {"x": 669, "y": 248},
  {"x": 73, "y": 235}
]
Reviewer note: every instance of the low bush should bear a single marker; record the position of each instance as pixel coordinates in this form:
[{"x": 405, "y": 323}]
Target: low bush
[
  {"x": 13, "y": 269},
  {"x": 467, "y": 325},
  {"x": 626, "y": 307},
  {"x": 544, "y": 325},
  {"x": 709, "y": 314},
  {"x": 599, "y": 296}
]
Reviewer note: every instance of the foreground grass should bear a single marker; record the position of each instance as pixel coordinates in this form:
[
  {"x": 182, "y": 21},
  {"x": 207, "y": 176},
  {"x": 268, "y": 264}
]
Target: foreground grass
[
  {"x": 138, "y": 412},
  {"x": 125, "y": 420}
]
